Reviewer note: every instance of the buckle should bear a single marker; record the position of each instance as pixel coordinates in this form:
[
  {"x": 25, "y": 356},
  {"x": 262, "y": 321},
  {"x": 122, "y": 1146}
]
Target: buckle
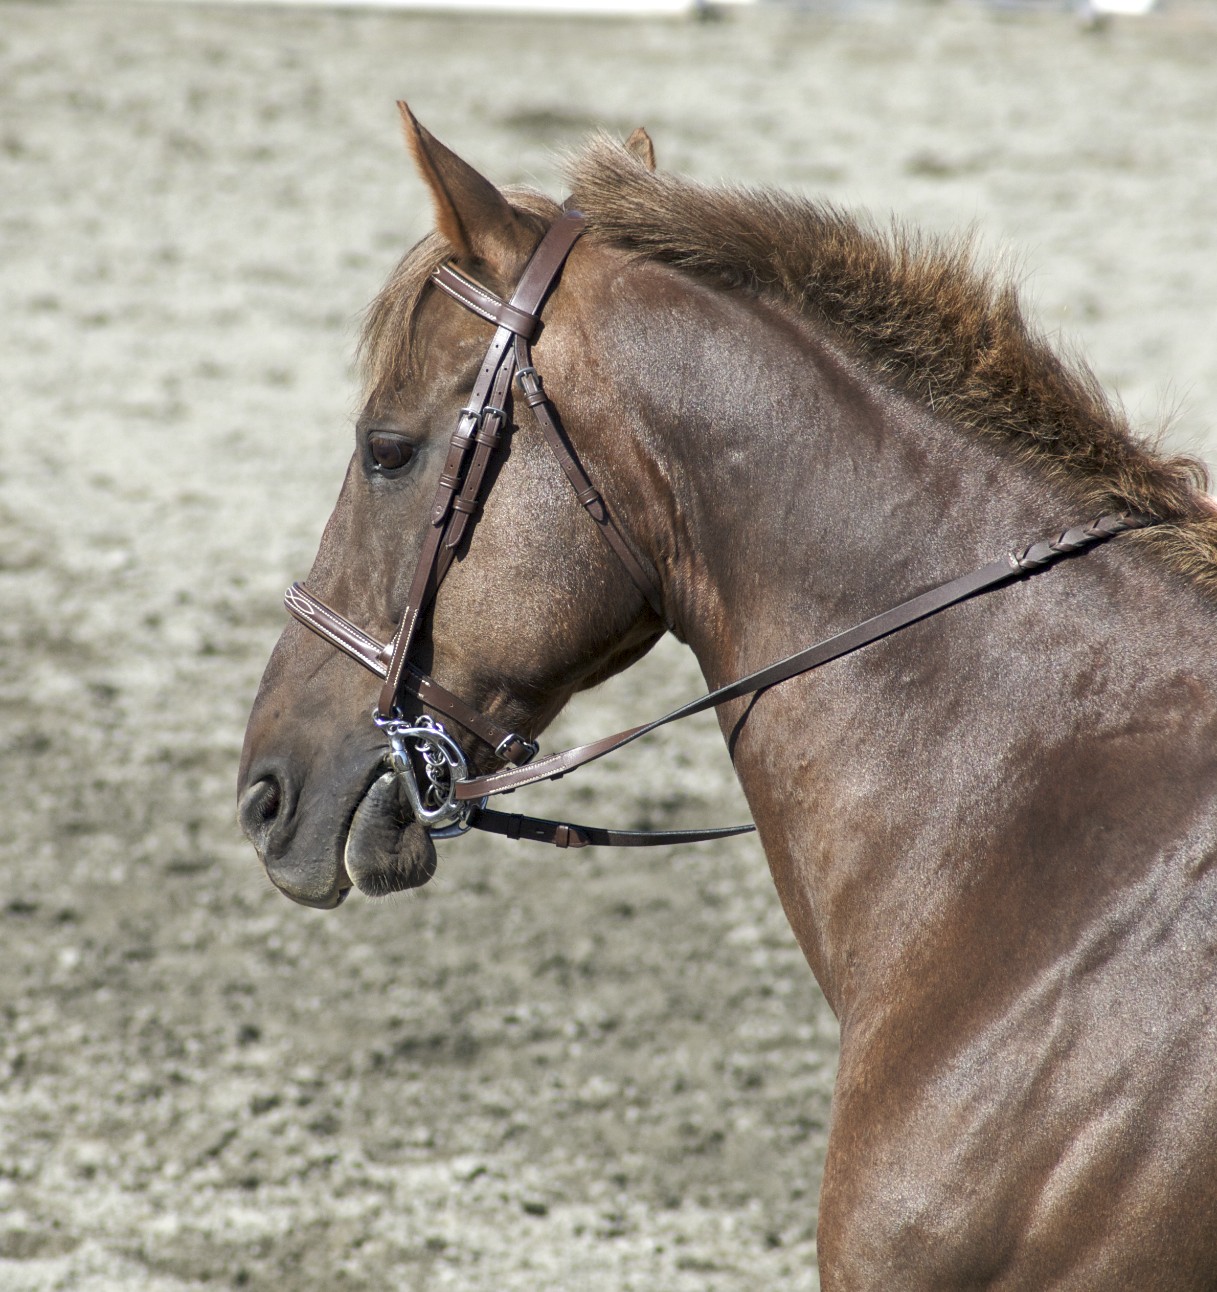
[
  {"x": 530, "y": 382},
  {"x": 507, "y": 747}
]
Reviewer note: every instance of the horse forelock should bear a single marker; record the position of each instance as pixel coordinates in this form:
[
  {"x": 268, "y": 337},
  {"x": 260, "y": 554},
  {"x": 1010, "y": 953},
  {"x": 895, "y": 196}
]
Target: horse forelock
[{"x": 922, "y": 313}]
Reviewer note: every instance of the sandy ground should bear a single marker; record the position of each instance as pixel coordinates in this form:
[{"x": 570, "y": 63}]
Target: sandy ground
[{"x": 542, "y": 1071}]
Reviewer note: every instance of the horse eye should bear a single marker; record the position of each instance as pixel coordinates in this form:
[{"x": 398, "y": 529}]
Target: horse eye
[{"x": 389, "y": 452}]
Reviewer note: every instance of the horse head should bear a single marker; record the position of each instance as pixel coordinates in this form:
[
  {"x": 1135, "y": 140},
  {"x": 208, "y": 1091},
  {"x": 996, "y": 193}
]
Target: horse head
[{"x": 534, "y": 606}]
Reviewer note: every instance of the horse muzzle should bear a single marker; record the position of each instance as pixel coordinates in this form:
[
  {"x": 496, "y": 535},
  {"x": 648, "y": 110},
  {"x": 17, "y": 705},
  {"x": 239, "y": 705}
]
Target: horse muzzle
[{"x": 315, "y": 845}]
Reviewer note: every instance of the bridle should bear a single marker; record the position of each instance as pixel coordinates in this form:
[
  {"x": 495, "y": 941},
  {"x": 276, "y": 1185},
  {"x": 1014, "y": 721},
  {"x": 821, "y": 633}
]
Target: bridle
[{"x": 448, "y": 801}]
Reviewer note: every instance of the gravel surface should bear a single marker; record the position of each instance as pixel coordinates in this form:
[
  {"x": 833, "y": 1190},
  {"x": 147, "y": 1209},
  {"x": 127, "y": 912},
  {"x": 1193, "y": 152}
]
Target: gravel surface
[{"x": 590, "y": 1072}]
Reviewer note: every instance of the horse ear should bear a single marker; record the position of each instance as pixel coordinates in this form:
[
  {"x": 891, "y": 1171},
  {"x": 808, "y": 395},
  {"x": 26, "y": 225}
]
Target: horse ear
[
  {"x": 640, "y": 145},
  {"x": 474, "y": 217}
]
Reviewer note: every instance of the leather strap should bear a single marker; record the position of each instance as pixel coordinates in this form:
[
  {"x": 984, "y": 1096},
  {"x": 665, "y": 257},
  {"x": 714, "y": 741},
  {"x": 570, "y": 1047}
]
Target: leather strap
[
  {"x": 566, "y": 834},
  {"x": 1016, "y": 565},
  {"x": 489, "y": 396},
  {"x": 473, "y": 296},
  {"x": 427, "y": 573},
  {"x": 555, "y": 436}
]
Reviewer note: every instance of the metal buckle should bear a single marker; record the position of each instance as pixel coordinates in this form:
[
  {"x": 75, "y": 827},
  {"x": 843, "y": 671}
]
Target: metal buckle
[
  {"x": 435, "y": 805},
  {"x": 531, "y": 748}
]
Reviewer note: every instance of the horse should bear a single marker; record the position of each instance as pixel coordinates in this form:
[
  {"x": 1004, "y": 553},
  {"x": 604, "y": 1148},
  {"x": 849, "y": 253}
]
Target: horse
[{"x": 993, "y": 832}]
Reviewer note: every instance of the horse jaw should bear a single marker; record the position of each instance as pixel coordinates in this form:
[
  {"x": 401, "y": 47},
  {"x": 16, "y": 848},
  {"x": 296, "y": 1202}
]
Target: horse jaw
[{"x": 386, "y": 849}]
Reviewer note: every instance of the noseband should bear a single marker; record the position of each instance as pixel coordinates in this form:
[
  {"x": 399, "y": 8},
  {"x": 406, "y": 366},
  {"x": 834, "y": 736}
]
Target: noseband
[{"x": 448, "y": 801}]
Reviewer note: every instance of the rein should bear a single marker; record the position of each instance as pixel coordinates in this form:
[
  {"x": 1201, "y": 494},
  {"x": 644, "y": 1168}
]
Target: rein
[{"x": 449, "y": 801}]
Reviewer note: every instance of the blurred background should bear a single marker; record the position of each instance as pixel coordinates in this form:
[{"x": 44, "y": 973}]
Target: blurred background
[{"x": 571, "y": 1071}]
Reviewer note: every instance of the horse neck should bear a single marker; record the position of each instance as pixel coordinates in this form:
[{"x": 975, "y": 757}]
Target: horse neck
[
  {"x": 792, "y": 496},
  {"x": 784, "y": 488}
]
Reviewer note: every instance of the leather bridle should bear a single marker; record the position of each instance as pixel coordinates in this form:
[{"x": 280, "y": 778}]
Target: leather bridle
[{"x": 448, "y": 800}]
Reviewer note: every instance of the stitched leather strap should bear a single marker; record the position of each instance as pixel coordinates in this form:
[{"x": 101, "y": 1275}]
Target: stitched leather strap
[{"x": 473, "y": 296}]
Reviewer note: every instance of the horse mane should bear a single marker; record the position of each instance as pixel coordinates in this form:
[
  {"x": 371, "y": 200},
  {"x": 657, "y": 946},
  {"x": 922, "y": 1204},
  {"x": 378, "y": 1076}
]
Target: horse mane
[
  {"x": 915, "y": 309},
  {"x": 918, "y": 311}
]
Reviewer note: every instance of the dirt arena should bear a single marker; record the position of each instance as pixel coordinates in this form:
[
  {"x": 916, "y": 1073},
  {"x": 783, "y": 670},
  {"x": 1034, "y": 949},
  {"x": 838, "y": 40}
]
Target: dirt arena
[{"x": 587, "y": 1072}]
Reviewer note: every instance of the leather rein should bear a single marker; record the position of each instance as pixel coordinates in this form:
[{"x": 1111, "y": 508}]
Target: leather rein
[{"x": 447, "y": 800}]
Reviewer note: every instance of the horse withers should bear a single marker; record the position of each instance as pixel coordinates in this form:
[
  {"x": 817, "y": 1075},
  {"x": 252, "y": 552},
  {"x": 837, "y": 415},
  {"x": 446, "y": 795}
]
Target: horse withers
[{"x": 993, "y": 832}]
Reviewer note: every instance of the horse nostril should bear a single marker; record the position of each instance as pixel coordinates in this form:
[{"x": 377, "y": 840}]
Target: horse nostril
[
  {"x": 266, "y": 805},
  {"x": 259, "y": 809}
]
